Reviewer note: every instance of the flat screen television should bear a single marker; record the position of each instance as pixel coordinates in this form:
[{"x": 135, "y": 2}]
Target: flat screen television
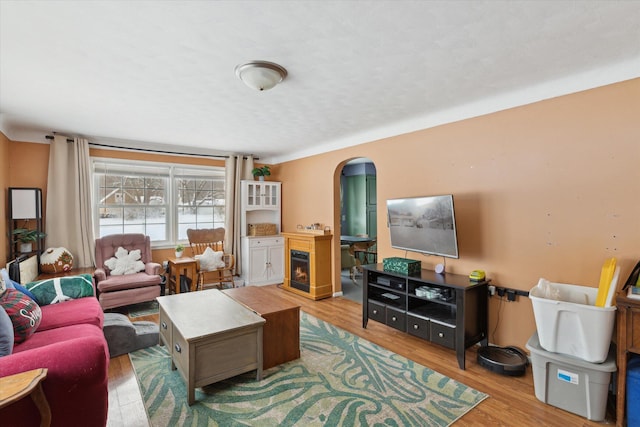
[{"x": 423, "y": 224}]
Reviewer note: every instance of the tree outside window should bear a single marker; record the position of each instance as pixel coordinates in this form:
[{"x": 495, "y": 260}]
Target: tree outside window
[{"x": 161, "y": 201}]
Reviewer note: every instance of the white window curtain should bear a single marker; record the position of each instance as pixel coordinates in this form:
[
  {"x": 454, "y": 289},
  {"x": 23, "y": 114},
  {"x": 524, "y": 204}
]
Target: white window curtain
[
  {"x": 69, "y": 220},
  {"x": 237, "y": 168}
]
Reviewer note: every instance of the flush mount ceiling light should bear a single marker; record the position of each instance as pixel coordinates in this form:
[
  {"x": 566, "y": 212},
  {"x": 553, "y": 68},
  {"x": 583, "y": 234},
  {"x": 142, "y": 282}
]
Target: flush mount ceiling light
[{"x": 261, "y": 75}]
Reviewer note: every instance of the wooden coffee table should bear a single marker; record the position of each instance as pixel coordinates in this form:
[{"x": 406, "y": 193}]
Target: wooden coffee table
[
  {"x": 210, "y": 337},
  {"x": 281, "y": 339}
]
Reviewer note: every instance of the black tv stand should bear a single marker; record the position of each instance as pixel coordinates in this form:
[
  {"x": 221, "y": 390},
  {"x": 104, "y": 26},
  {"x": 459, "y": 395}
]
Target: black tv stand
[{"x": 446, "y": 309}]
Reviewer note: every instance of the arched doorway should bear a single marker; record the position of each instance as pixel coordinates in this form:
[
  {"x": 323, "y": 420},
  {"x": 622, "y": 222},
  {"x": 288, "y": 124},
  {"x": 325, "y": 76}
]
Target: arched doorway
[{"x": 358, "y": 219}]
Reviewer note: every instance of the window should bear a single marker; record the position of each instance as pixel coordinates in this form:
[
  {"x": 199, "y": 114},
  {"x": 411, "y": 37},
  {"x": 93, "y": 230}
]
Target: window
[
  {"x": 159, "y": 200},
  {"x": 200, "y": 201}
]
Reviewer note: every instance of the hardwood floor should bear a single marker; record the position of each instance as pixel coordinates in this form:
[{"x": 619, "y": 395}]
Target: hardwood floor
[{"x": 512, "y": 401}]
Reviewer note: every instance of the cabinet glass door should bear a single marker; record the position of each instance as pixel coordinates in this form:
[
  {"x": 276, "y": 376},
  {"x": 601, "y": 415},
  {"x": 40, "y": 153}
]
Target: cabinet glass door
[
  {"x": 253, "y": 195},
  {"x": 270, "y": 195}
]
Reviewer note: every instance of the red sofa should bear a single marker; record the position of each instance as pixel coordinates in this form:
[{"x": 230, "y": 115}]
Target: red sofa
[{"x": 70, "y": 343}]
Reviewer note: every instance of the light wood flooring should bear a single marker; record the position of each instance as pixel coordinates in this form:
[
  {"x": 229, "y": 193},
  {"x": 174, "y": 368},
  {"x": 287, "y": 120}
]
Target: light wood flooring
[{"x": 512, "y": 401}]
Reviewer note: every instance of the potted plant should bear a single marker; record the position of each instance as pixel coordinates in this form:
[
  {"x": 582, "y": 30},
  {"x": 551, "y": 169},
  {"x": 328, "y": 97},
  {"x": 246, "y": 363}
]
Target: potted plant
[
  {"x": 261, "y": 172},
  {"x": 26, "y": 237},
  {"x": 179, "y": 250}
]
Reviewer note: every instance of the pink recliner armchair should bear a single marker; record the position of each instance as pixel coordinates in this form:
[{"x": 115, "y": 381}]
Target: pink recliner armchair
[{"x": 116, "y": 291}]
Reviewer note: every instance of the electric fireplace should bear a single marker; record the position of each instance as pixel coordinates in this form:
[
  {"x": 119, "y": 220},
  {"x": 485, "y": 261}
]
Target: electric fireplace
[
  {"x": 299, "y": 270},
  {"x": 307, "y": 265}
]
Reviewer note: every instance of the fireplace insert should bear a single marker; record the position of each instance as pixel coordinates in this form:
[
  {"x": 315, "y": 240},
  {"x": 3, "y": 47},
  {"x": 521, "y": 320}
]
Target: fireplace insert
[{"x": 300, "y": 270}]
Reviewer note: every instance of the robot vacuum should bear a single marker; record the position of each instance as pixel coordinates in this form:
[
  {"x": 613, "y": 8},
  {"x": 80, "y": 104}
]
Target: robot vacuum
[{"x": 510, "y": 361}]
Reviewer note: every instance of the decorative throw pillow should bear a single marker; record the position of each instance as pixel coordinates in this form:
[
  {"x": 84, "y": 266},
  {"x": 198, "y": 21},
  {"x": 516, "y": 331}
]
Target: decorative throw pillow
[
  {"x": 4, "y": 276},
  {"x": 210, "y": 260},
  {"x": 12, "y": 284},
  {"x": 52, "y": 291},
  {"x": 25, "y": 314},
  {"x": 55, "y": 260},
  {"x": 3, "y": 286},
  {"x": 18, "y": 287},
  {"x": 6, "y": 333},
  {"x": 125, "y": 262},
  {"x": 5, "y": 281}
]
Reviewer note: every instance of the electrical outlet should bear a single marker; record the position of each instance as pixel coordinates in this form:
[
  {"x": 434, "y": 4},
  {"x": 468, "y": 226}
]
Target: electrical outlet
[{"x": 492, "y": 290}]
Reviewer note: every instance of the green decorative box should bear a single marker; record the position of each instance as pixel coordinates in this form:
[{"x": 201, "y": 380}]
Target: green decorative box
[{"x": 406, "y": 266}]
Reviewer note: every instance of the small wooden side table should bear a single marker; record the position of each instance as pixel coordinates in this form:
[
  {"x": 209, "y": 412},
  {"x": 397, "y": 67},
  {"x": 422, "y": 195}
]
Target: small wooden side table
[
  {"x": 179, "y": 266},
  {"x": 15, "y": 387}
]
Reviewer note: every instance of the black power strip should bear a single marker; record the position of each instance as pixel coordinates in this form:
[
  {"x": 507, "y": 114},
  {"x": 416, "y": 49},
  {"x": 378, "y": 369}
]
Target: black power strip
[{"x": 510, "y": 293}]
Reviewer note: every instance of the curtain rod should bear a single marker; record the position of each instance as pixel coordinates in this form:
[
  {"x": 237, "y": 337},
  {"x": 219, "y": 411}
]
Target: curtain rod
[{"x": 147, "y": 150}]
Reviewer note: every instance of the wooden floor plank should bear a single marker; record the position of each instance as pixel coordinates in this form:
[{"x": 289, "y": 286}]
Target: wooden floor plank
[{"x": 512, "y": 401}]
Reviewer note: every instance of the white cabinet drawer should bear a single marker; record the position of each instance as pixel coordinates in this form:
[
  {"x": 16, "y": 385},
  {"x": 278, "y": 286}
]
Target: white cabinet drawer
[
  {"x": 166, "y": 330},
  {"x": 180, "y": 352},
  {"x": 265, "y": 241}
]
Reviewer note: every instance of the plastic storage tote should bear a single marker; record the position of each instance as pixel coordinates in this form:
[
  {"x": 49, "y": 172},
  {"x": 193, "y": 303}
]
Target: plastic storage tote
[
  {"x": 571, "y": 384},
  {"x": 573, "y": 325}
]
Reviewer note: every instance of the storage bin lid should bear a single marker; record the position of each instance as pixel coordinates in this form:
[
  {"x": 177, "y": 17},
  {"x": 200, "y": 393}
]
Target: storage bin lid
[{"x": 609, "y": 365}]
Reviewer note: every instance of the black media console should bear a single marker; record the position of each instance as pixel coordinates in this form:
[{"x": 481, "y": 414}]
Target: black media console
[{"x": 447, "y": 309}]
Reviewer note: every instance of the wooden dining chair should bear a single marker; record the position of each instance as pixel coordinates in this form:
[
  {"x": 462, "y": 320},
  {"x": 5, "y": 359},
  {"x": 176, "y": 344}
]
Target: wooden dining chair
[
  {"x": 347, "y": 260},
  {"x": 364, "y": 252},
  {"x": 199, "y": 241}
]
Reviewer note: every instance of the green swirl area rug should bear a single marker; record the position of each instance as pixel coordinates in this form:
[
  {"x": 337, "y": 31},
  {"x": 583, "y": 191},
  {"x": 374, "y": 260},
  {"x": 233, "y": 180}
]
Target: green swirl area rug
[{"x": 339, "y": 380}]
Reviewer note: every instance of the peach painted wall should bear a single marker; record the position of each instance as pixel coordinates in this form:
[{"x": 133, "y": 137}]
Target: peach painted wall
[
  {"x": 547, "y": 190},
  {"x": 28, "y": 167},
  {"x": 23, "y": 165}
]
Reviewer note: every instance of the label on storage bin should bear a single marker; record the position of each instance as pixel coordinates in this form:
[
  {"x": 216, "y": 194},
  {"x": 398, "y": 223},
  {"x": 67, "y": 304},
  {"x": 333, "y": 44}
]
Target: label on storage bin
[{"x": 568, "y": 377}]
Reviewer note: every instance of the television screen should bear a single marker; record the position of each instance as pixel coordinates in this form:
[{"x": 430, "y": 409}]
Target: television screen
[{"x": 423, "y": 224}]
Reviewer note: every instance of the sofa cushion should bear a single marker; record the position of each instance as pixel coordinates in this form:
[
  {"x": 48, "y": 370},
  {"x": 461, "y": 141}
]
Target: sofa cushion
[
  {"x": 6, "y": 333},
  {"x": 24, "y": 312},
  {"x": 77, "y": 311},
  {"x": 128, "y": 296},
  {"x": 57, "y": 335},
  {"x": 59, "y": 289},
  {"x": 130, "y": 281}
]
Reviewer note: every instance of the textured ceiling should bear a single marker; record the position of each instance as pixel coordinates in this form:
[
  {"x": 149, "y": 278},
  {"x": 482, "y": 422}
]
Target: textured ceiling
[{"x": 161, "y": 73}]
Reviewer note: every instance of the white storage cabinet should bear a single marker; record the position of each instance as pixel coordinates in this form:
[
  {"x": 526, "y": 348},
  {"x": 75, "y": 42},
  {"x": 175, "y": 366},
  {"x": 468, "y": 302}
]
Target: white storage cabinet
[
  {"x": 265, "y": 259},
  {"x": 262, "y": 256}
]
